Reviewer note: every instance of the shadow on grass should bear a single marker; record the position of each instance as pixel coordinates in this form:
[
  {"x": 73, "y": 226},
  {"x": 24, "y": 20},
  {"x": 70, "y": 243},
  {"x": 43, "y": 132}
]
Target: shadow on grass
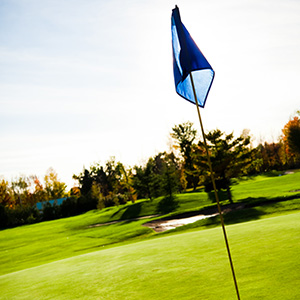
[
  {"x": 118, "y": 211},
  {"x": 132, "y": 211},
  {"x": 243, "y": 215},
  {"x": 274, "y": 173},
  {"x": 254, "y": 209},
  {"x": 252, "y": 202},
  {"x": 222, "y": 194},
  {"x": 167, "y": 205}
]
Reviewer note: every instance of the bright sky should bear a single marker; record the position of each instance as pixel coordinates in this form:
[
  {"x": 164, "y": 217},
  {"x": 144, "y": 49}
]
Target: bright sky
[{"x": 84, "y": 80}]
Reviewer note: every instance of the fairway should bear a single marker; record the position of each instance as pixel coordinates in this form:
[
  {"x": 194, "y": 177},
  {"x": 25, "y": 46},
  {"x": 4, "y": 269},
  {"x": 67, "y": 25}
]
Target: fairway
[{"x": 190, "y": 265}]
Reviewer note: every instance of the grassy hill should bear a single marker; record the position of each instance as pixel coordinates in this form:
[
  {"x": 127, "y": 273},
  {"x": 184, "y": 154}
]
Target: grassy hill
[{"x": 61, "y": 259}]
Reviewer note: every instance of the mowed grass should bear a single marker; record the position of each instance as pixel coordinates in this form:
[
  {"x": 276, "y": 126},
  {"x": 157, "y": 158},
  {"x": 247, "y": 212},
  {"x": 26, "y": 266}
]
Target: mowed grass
[
  {"x": 271, "y": 186},
  {"x": 32, "y": 245},
  {"x": 52, "y": 257},
  {"x": 189, "y": 265}
]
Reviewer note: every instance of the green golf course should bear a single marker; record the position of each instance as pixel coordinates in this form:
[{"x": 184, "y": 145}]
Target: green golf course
[{"x": 108, "y": 254}]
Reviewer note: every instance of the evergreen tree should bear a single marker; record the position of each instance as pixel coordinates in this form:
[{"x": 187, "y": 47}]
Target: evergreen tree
[{"x": 229, "y": 156}]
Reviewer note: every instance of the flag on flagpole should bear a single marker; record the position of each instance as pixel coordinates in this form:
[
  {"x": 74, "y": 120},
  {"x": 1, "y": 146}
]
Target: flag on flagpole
[
  {"x": 187, "y": 59},
  {"x": 193, "y": 77}
]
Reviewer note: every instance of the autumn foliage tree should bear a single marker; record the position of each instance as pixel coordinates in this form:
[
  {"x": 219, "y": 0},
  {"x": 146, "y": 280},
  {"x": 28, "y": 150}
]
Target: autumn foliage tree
[
  {"x": 54, "y": 188},
  {"x": 6, "y": 194},
  {"x": 291, "y": 139},
  {"x": 271, "y": 157},
  {"x": 184, "y": 134},
  {"x": 18, "y": 198}
]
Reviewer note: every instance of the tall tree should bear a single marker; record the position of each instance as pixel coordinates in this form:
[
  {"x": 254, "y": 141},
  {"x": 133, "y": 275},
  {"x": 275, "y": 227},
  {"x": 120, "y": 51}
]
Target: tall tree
[
  {"x": 291, "y": 137},
  {"x": 271, "y": 156},
  {"x": 54, "y": 188},
  {"x": 85, "y": 180},
  {"x": 160, "y": 176},
  {"x": 39, "y": 193},
  {"x": 109, "y": 185},
  {"x": 20, "y": 187},
  {"x": 169, "y": 182},
  {"x": 229, "y": 156},
  {"x": 170, "y": 174},
  {"x": 146, "y": 180},
  {"x": 125, "y": 185},
  {"x": 185, "y": 135},
  {"x": 6, "y": 195}
]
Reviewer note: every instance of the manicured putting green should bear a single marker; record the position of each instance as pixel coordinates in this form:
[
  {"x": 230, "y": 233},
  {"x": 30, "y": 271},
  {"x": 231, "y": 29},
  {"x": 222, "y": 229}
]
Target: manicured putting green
[{"x": 191, "y": 265}]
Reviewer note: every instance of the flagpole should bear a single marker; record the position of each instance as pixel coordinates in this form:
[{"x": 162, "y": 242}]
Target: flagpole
[{"x": 215, "y": 190}]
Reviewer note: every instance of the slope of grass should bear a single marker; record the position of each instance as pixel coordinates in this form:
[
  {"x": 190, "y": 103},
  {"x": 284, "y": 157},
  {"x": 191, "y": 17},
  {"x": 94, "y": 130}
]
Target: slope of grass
[
  {"x": 191, "y": 265},
  {"x": 270, "y": 186},
  {"x": 33, "y": 245}
]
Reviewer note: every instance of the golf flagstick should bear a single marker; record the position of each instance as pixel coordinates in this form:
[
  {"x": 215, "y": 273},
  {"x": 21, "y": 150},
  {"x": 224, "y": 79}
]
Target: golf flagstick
[{"x": 215, "y": 189}]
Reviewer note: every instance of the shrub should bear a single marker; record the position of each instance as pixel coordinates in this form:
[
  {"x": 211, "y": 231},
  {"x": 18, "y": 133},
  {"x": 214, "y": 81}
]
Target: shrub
[
  {"x": 51, "y": 212},
  {"x": 69, "y": 207},
  {"x": 3, "y": 216}
]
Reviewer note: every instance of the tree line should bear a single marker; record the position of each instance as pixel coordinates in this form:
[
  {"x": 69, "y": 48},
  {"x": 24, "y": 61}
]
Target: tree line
[{"x": 184, "y": 168}]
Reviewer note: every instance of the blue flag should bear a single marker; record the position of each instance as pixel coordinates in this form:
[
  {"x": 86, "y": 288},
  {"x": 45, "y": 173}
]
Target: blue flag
[{"x": 188, "y": 59}]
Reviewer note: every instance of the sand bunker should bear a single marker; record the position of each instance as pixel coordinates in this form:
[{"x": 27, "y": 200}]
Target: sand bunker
[{"x": 163, "y": 225}]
